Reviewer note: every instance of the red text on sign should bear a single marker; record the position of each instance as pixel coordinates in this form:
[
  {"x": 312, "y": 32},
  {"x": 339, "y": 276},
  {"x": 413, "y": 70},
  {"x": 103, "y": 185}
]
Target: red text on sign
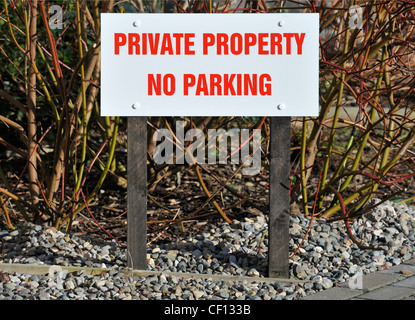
[
  {"x": 211, "y": 84},
  {"x": 155, "y": 43},
  {"x": 248, "y": 43},
  {"x": 168, "y": 85},
  {"x": 227, "y": 84},
  {"x": 219, "y": 43}
]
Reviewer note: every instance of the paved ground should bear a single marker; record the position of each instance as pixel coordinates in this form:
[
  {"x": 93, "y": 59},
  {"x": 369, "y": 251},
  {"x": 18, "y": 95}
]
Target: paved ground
[{"x": 397, "y": 283}]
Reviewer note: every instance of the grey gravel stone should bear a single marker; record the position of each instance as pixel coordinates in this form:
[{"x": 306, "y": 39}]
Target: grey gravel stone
[{"x": 327, "y": 257}]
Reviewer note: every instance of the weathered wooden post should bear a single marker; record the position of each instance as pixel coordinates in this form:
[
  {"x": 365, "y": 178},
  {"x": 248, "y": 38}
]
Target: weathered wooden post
[
  {"x": 137, "y": 193},
  {"x": 279, "y": 195},
  {"x": 210, "y": 65}
]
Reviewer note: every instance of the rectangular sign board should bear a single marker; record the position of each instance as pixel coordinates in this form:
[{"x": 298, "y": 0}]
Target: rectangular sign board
[{"x": 210, "y": 64}]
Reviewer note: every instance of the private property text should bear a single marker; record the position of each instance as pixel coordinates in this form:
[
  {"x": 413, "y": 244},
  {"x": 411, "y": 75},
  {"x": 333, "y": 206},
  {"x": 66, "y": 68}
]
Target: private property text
[{"x": 215, "y": 44}]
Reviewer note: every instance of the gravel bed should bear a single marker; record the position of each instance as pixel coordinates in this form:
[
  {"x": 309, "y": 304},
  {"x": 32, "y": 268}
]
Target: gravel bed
[{"x": 327, "y": 257}]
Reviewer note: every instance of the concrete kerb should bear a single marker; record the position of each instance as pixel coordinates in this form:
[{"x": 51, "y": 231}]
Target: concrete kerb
[
  {"x": 376, "y": 280},
  {"x": 46, "y": 269},
  {"x": 388, "y": 293},
  {"x": 390, "y": 284},
  {"x": 335, "y": 293}
]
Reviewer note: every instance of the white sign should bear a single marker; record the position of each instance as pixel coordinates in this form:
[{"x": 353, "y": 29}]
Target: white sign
[{"x": 210, "y": 64}]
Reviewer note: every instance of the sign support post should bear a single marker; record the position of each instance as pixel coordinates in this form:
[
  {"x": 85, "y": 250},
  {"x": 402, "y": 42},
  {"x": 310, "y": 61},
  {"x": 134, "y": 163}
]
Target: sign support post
[
  {"x": 137, "y": 193},
  {"x": 279, "y": 197}
]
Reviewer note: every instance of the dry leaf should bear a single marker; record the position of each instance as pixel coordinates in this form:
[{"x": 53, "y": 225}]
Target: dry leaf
[{"x": 406, "y": 272}]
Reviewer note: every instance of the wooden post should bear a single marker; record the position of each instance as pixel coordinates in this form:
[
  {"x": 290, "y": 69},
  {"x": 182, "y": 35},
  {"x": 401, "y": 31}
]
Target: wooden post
[
  {"x": 137, "y": 193},
  {"x": 279, "y": 203}
]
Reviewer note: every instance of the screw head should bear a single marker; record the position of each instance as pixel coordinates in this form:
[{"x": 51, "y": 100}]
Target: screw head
[
  {"x": 137, "y": 23},
  {"x": 136, "y": 105},
  {"x": 281, "y": 23},
  {"x": 281, "y": 106}
]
